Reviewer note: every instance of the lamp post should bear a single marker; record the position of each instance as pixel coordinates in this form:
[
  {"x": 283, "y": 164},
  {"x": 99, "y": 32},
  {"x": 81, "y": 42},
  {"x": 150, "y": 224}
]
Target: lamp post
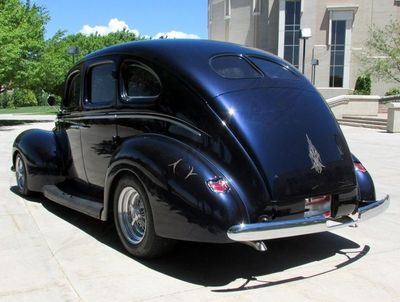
[
  {"x": 73, "y": 50},
  {"x": 305, "y": 33},
  {"x": 314, "y": 64}
]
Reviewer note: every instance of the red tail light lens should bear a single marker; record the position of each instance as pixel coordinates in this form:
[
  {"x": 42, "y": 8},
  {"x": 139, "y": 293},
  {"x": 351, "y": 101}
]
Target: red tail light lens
[
  {"x": 218, "y": 185},
  {"x": 359, "y": 167}
]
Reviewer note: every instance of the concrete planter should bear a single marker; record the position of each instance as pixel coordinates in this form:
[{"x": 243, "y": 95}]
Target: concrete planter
[{"x": 393, "y": 124}]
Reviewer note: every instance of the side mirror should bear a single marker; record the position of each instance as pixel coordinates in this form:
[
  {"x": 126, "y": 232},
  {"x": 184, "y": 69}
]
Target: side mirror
[{"x": 51, "y": 100}]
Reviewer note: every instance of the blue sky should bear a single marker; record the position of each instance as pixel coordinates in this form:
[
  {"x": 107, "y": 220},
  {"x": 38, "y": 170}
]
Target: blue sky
[{"x": 148, "y": 17}]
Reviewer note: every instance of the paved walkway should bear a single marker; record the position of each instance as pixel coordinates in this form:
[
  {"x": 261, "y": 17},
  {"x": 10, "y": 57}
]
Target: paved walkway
[
  {"x": 50, "y": 253},
  {"x": 28, "y": 118}
]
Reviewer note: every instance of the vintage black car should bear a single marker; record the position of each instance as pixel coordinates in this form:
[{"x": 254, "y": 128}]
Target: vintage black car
[{"x": 195, "y": 140}]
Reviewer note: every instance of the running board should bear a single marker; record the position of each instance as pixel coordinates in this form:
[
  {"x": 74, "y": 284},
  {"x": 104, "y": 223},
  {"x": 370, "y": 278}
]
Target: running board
[{"x": 83, "y": 205}]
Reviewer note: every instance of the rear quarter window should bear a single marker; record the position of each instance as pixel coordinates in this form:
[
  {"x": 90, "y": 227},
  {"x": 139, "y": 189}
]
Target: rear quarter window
[{"x": 140, "y": 83}]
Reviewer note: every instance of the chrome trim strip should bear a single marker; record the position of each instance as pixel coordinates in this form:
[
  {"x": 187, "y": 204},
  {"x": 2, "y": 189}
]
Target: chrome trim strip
[
  {"x": 303, "y": 226},
  {"x": 113, "y": 115}
]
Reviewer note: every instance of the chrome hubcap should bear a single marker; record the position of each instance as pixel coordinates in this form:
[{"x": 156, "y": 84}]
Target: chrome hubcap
[
  {"x": 131, "y": 214},
  {"x": 20, "y": 173}
]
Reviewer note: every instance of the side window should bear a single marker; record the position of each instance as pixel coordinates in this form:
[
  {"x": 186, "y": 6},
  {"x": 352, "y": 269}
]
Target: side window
[
  {"x": 140, "y": 83},
  {"x": 102, "y": 85},
  {"x": 73, "y": 93}
]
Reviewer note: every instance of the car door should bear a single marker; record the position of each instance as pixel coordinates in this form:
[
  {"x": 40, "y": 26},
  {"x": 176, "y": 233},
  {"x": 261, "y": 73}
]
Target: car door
[
  {"x": 69, "y": 123},
  {"x": 99, "y": 132}
]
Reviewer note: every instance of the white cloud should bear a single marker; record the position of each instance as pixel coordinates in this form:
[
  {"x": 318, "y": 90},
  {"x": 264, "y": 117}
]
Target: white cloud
[
  {"x": 176, "y": 35},
  {"x": 114, "y": 25}
]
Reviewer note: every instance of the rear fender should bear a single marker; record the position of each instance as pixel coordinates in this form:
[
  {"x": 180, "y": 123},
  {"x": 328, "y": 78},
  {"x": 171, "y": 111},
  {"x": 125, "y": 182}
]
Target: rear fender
[
  {"x": 174, "y": 176},
  {"x": 366, "y": 188}
]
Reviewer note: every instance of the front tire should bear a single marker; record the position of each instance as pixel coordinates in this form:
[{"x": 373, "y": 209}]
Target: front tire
[
  {"x": 21, "y": 176},
  {"x": 134, "y": 220}
]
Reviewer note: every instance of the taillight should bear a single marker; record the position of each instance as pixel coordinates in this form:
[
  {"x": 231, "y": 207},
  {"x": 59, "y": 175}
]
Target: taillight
[
  {"x": 360, "y": 167},
  {"x": 218, "y": 185}
]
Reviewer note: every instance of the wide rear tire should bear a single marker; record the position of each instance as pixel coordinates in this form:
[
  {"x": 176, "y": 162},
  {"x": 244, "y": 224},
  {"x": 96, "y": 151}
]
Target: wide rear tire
[{"x": 134, "y": 220}]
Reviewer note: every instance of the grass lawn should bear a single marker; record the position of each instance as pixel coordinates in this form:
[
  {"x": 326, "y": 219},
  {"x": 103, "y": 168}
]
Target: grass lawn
[{"x": 30, "y": 110}]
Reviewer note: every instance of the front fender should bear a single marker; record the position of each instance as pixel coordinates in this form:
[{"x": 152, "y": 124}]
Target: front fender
[
  {"x": 39, "y": 149},
  {"x": 174, "y": 176}
]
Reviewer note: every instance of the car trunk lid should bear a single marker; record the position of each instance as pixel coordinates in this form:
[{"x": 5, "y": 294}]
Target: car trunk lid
[{"x": 293, "y": 139}]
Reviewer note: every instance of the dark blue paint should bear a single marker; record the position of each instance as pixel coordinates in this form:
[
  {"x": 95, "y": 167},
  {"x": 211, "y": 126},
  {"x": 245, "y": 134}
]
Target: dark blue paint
[{"x": 251, "y": 132}]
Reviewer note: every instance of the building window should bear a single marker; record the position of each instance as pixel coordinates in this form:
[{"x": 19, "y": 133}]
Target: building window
[
  {"x": 256, "y": 7},
  {"x": 338, "y": 38},
  {"x": 292, "y": 31},
  {"x": 227, "y": 9},
  {"x": 340, "y": 27}
]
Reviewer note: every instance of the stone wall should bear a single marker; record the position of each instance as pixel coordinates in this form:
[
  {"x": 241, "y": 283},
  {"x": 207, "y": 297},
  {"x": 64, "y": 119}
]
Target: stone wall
[{"x": 363, "y": 105}]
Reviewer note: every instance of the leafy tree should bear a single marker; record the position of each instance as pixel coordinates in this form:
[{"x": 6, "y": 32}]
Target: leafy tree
[
  {"x": 19, "y": 97},
  {"x": 55, "y": 61},
  {"x": 382, "y": 57},
  {"x": 22, "y": 42},
  {"x": 28, "y": 62}
]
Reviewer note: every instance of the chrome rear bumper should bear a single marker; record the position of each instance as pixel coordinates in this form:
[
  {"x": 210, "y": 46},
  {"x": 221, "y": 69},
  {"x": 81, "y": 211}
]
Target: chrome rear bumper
[{"x": 302, "y": 226}]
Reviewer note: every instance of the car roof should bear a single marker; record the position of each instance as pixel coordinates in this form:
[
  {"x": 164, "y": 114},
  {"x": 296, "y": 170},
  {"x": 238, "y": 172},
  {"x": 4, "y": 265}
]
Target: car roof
[
  {"x": 175, "y": 47},
  {"x": 189, "y": 59}
]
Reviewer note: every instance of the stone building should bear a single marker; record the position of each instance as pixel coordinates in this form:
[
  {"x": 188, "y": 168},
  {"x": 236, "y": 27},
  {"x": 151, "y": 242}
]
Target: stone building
[{"x": 338, "y": 30}]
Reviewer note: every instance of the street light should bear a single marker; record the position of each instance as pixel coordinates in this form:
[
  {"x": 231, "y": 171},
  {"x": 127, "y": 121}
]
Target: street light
[
  {"x": 305, "y": 33},
  {"x": 73, "y": 50},
  {"x": 314, "y": 64}
]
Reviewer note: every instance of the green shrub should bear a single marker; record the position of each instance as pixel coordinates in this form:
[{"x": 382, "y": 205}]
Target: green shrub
[
  {"x": 7, "y": 99},
  {"x": 393, "y": 91},
  {"x": 24, "y": 98},
  {"x": 58, "y": 100},
  {"x": 42, "y": 98},
  {"x": 363, "y": 85},
  {"x": 18, "y": 98}
]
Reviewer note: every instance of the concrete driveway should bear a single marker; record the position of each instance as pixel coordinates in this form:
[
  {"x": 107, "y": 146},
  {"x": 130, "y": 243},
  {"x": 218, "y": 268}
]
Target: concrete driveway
[{"x": 50, "y": 253}]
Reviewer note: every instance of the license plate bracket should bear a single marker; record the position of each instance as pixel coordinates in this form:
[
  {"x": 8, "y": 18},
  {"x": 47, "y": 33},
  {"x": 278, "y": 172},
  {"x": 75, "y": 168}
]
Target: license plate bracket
[{"x": 318, "y": 205}]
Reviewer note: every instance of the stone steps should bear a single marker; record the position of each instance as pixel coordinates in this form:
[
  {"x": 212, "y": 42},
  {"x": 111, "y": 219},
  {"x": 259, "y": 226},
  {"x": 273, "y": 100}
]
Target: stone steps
[{"x": 364, "y": 121}]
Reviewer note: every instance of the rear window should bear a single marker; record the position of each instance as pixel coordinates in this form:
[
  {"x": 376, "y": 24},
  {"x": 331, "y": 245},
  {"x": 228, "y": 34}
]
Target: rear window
[
  {"x": 234, "y": 67},
  {"x": 274, "y": 70},
  {"x": 140, "y": 82}
]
